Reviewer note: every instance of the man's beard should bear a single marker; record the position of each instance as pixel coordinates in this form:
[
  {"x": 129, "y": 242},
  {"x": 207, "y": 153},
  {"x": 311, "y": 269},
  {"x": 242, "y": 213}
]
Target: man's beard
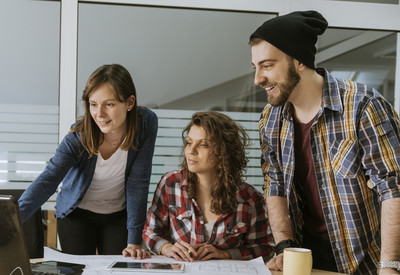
[{"x": 286, "y": 88}]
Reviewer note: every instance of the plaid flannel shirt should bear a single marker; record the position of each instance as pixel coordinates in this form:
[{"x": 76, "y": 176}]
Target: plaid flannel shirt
[
  {"x": 356, "y": 151},
  {"x": 174, "y": 217}
]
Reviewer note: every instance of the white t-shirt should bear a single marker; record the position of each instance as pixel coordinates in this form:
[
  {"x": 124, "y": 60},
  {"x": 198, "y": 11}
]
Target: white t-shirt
[
  {"x": 208, "y": 229},
  {"x": 106, "y": 193}
]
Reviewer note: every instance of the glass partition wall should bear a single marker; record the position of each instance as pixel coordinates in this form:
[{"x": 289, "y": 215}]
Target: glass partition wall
[
  {"x": 178, "y": 58},
  {"x": 196, "y": 59},
  {"x": 29, "y": 106},
  {"x": 364, "y": 56},
  {"x": 29, "y": 82}
]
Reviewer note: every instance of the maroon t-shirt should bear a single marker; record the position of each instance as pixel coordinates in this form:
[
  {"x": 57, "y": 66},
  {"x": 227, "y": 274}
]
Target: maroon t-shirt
[{"x": 314, "y": 221}]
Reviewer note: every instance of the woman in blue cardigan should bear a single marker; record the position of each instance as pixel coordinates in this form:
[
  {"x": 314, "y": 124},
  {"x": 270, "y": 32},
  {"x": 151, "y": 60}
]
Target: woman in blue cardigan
[{"x": 104, "y": 163}]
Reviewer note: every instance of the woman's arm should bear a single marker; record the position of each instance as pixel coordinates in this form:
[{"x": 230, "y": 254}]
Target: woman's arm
[
  {"x": 137, "y": 184},
  {"x": 67, "y": 155},
  {"x": 157, "y": 225}
]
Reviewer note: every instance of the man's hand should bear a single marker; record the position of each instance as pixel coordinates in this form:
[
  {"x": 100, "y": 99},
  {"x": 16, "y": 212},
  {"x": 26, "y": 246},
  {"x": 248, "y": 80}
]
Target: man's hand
[
  {"x": 135, "y": 251},
  {"x": 388, "y": 271},
  {"x": 207, "y": 251},
  {"x": 276, "y": 263},
  {"x": 181, "y": 251}
]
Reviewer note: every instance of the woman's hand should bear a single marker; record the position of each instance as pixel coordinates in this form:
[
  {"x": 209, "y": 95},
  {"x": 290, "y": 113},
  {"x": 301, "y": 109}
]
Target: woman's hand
[
  {"x": 206, "y": 251},
  {"x": 135, "y": 251},
  {"x": 181, "y": 251}
]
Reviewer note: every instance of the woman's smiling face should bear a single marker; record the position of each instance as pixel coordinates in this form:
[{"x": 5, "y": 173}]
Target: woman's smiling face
[{"x": 107, "y": 111}]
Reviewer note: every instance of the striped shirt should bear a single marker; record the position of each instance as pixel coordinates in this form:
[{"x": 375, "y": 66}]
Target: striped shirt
[
  {"x": 174, "y": 217},
  {"x": 355, "y": 146}
]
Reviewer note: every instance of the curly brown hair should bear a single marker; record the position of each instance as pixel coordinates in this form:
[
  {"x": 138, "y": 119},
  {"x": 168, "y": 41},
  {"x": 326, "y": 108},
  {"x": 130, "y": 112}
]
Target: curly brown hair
[
  {"x": 228, "y": 146},
  {"x": 122, "y": 84}
]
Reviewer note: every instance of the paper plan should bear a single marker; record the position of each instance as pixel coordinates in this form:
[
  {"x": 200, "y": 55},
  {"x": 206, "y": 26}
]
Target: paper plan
[{"x": 98, "y": 264}]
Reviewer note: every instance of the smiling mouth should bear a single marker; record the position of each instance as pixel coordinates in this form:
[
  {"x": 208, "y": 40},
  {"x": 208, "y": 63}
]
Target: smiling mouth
[
  {"x": 102, "y": 123},
  {"x": 270, "y": 87}
]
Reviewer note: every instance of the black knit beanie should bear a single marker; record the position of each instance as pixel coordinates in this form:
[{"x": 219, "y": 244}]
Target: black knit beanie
[{"x": 294, "y": 34}]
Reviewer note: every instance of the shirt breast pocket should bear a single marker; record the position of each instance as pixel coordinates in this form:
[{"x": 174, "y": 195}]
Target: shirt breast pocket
[
  {"x": 181, "y": 218},
  {"x": 234, "y": 234},
  {"x": 345, "y": 158}
]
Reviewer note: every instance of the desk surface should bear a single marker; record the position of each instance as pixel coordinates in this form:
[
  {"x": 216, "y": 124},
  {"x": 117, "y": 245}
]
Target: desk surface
[{"x": 314, "y": 271}]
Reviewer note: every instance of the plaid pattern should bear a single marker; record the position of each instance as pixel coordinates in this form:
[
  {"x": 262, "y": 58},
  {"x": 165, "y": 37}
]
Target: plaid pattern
[
  {"x": 356, "y": 150},
  {"x": 173, "y": 217}
]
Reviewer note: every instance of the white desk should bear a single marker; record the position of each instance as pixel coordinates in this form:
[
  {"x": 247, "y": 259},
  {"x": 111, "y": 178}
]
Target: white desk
[
  {"x": 97, "y": 264},
  {"x": 314, "y": 271}
]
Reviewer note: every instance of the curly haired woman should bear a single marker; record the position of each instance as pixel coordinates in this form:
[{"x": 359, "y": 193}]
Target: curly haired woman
[{"x": 205, "y": 211}]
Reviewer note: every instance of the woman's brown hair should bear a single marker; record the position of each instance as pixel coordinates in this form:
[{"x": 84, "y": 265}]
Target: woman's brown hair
[
  {"x": 121, "y": 83},
  {"x": 228, "y": 146}
]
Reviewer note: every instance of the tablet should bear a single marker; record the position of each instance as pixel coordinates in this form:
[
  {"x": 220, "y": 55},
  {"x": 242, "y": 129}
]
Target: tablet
[{"x": 147, "y": 266}]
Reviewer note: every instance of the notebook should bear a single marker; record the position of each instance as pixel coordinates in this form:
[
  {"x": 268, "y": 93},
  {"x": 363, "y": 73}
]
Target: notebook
[{"x": 14, "y": 257}]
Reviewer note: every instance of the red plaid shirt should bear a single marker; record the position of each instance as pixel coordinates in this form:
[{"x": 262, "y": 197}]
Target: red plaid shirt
[{"x": 174, "y": 217}]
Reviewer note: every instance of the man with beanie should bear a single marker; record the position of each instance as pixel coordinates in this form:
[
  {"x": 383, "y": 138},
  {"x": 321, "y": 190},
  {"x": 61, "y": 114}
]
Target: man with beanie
[{"x": 330, "y": 155}]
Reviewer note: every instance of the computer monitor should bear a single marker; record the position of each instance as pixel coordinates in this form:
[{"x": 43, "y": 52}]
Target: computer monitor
[
  {"x": 13, "y": 250},
  {"x": 14, "y": 255}
]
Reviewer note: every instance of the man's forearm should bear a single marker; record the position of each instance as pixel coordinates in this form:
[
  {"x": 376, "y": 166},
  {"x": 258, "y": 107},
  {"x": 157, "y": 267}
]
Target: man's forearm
[
  {"x": 390, "y": 230},
  {"x": 278, "y": 216}
]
